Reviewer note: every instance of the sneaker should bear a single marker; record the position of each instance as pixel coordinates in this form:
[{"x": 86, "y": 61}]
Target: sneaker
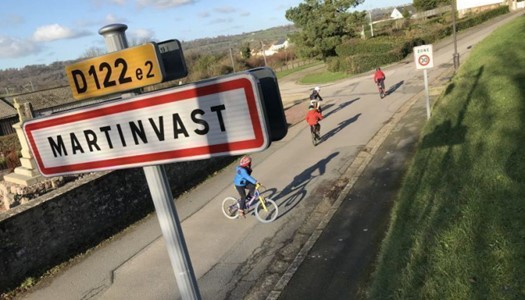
[{"x": 241, "y": 213}]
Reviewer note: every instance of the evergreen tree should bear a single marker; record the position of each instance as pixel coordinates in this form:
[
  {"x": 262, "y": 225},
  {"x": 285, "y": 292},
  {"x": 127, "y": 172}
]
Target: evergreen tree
[{"x": 323, "y": 25}]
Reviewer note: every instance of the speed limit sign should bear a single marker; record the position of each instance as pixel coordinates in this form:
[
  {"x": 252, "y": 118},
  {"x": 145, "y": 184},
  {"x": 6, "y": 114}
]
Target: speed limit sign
[{"x": 423, "y": 57}]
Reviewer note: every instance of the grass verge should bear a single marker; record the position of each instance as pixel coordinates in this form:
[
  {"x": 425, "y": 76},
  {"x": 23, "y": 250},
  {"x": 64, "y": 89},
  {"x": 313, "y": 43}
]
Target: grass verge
[
  {"x": 284, "y": 73},
  {"x": 457, "y": 229}
]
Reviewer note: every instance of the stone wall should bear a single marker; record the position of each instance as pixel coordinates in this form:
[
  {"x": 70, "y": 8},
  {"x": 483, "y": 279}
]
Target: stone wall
[{"x": 57, "y": 226}]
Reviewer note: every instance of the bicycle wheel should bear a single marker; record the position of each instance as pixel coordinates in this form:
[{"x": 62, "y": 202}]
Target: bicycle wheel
[
  {"x": 314, "y": 139},
  {"x": 268, "y": 212},
  {"x": 230, "y": 208}
]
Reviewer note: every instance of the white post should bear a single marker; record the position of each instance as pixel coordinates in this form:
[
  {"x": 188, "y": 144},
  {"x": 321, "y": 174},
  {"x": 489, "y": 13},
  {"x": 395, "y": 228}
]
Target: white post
[
  {"x": 426, "y": 93},
  {"x": 162, "y": 198}
]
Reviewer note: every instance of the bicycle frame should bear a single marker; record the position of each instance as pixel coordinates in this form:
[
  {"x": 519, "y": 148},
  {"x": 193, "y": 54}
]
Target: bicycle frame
[{"x": 256, "y": 195}]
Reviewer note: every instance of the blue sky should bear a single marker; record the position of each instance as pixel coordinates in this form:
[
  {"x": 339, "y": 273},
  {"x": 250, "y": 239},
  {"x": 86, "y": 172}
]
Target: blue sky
[{"x": 44, "y": 31}]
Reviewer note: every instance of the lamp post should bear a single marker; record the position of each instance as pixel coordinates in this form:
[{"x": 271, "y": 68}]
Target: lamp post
[
  {"x": 371, "y": 26},
  {"x": 455, "y": 55}
]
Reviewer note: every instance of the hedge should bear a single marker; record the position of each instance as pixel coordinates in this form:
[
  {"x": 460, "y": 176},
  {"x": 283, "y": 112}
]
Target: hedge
[{"x": 357, "y": 56}]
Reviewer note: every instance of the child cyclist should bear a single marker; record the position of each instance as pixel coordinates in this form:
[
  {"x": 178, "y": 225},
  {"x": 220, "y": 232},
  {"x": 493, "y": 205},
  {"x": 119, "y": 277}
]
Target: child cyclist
[
  {"x": 244, "y": 181},
  {"x": 313, "y": 116},
  {"x": 315, "y": 98}
]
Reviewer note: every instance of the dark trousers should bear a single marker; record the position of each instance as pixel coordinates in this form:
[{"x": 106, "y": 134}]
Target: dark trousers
[{"x": 242, "y": 192}]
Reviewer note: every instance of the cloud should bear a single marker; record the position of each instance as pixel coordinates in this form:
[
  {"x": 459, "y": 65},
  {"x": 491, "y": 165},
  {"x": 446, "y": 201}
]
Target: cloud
[
  {"x": 111, "y": 19},
  {"x": 11, "y": 20},
  {"x": 55, "y": 32},
  {"x": 13, "y": 48},
  {"x": 225, "y": 10},
  {"x": 142, "y": 34},
  {"x": 222, "y": 20},
  {"x": 164, "y": 3}
]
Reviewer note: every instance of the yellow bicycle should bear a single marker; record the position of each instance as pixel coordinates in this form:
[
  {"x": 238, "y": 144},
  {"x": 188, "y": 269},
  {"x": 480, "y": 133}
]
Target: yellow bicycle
[{"x": 265, "y": 209}]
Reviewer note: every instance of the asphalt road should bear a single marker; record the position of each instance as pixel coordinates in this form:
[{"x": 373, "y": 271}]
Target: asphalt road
[{"x": 244, "y": 259}]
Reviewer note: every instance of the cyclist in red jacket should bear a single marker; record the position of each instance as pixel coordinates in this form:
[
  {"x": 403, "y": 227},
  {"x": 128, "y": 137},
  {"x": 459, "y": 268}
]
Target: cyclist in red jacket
[
  {"x": 379, "y": 79},
  {"x": 313, "y": 116}
]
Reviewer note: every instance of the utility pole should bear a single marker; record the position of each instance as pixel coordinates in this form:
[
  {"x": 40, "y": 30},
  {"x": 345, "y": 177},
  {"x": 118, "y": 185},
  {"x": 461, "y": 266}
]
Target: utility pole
[
  {"x": 264, "y": 55},
  {"x": 371, "y": 26},
  {"x": 231, "y": 57},
  {"x": 455, "y": 56}
]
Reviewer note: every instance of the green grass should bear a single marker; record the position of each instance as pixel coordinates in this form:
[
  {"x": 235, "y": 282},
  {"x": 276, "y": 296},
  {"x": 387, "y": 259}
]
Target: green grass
[
  {"x": 458, "y": 225},
  {"x": 314, "y": 78},
  {"x": 284, "y": 73},
  {"x": 322, "y": 77}
]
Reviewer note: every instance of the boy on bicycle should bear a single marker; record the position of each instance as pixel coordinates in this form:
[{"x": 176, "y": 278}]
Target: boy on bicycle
[
  {"x": 379, "y": 79},
  {"x": 243, "y": 180},
  {"x": 313, "y": 116},
  {"x": 315, "y": 98}
]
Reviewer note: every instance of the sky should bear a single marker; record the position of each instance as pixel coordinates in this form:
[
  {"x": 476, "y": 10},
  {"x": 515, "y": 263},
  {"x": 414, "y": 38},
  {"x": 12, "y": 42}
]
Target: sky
[{"x": 36, "y": 32}]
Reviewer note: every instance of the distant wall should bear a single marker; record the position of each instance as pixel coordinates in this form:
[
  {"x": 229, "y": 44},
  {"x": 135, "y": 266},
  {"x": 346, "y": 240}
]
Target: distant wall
[
  {"x": 466, "y": 4},
  {"x": 65, "y": 222}
]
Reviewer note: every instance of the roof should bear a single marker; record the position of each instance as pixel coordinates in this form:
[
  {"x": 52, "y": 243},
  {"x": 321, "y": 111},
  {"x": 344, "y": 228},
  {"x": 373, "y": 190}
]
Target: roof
[
  {"x": 280, "y": 42},
  {"x": 410, "y": 8},
  {"x": 6, "y": 109}
]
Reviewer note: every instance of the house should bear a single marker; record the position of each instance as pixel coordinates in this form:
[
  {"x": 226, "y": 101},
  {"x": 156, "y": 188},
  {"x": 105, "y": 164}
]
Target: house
[
  {"x": 397, "y": 12},
  {"x": 281, "y": 44},
  {"x": 474, "y": 6},
  {"x": 8, "y": 117}
]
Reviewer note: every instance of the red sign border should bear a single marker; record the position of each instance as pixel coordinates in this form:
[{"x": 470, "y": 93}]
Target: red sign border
[
  {"x": 260, "y": 140},
  {"x": 419, "y": 60}
]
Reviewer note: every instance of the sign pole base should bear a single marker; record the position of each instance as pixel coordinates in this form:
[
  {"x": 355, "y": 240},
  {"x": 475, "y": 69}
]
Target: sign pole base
[{"x": 172, "y": 231}]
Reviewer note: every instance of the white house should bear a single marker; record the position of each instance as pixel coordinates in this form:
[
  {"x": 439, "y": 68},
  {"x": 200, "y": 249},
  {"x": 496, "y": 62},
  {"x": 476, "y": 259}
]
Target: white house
[
  {"x": 397, "y": 12},
  {"x": 279, "y": 45}
]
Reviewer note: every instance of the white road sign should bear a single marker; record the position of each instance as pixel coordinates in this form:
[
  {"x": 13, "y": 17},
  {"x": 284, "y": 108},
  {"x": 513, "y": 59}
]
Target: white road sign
[
  {"x": 423, "y": 57},
  {"x": 223, "y": 116}
]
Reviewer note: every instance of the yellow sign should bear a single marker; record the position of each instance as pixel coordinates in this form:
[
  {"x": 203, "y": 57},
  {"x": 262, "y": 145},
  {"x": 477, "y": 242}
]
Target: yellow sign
[{"x": 115, "y": 72}]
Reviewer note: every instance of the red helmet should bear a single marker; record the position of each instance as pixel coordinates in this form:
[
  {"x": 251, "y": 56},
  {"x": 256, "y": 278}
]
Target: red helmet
[{"x": 246, "y": 161}]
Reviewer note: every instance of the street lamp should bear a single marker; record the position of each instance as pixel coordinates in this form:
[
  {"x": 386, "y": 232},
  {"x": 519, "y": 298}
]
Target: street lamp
[{"x": 455, "y": 56}]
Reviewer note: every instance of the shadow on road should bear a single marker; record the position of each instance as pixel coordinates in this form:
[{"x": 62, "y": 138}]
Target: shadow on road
[
  {"x": 340, "y": 127},
  {"x": 394, "y": 87},
  {"x": 292, "y": 194},
  {"x": 340, "y": 106}
]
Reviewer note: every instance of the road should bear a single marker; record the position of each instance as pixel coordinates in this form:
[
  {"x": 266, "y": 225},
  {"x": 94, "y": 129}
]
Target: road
[{"x": 244, "y": 259}]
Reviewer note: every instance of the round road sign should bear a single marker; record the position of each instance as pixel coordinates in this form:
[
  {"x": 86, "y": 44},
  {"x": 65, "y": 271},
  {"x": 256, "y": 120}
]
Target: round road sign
[{"x": 424, "y": 60}]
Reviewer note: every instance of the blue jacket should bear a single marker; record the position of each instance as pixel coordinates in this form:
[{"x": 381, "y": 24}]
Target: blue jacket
[{"x": 242, "y": 176}]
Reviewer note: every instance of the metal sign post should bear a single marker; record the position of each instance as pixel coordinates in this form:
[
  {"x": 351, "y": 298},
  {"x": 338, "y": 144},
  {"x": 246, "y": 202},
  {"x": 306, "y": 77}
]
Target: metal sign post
[
  {"x": 424, "y": 60},
  {"x": 162, "y": 198},
  {"x": 228, "y": 115}
]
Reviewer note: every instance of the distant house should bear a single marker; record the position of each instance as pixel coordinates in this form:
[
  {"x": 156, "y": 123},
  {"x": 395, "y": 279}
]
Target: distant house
[
  {"x": 397, "y": 12},
  {"x": 281, "y": 44}
]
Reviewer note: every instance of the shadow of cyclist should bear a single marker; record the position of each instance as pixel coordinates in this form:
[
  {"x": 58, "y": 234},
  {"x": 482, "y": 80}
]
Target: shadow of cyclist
[
  {"x": 340, "y": 127},
  {"x": 292, "y": 194},
  {"x": 394, "y": 87},
  {"x": 341, "y": 106}
]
